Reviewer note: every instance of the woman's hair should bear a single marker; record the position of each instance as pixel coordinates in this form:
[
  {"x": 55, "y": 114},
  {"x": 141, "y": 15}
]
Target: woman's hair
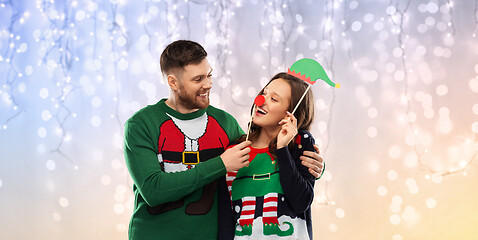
[{"x": 304, "y": 113}]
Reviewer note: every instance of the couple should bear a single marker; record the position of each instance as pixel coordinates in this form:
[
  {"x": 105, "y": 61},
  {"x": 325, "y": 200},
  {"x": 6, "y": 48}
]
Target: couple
[{"x": 180, "y": 151}]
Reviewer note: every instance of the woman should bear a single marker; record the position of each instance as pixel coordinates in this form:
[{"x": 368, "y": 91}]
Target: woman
[{"x": 271, "y": 197}]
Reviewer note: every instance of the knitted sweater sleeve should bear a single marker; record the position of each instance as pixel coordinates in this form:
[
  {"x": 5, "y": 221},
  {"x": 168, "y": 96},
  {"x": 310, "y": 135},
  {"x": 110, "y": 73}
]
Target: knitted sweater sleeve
[
  {"x": 296, "y": 181},
  {"x": 155, "y": 185}
]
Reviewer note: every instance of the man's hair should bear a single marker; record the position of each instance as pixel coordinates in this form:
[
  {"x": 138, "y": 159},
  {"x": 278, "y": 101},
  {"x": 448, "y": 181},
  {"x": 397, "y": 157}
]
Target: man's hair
[{"x": 179, "y": 54}]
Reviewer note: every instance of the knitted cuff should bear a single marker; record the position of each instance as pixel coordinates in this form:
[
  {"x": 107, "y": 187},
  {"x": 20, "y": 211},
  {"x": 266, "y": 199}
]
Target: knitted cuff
[{"x": 323, "y": 170}]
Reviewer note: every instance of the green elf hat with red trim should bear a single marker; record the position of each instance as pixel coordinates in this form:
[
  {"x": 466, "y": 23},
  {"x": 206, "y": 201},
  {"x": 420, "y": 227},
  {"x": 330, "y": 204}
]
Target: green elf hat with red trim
[{"x": 310, "y": 70}]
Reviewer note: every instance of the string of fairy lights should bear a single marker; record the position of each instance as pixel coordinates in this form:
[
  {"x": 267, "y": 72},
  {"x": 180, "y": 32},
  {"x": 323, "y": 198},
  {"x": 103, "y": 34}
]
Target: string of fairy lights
[
  {"x": 328, "y": 37},
  {"x": 451, "y": 24},
  {"x": 11, "y": 50},
  {"x": 475, "y": 14},
  {"x": 276, "y": 34},
  {"x": 57, "y": 44},
  {"x": 218, "y": 15},
  {"x": 118, "y": 39},
  {"x": 328, "y": 55},
  {"x": 346, "y": 27}
]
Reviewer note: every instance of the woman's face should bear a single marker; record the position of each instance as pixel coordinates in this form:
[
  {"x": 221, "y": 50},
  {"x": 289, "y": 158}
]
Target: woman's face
[{"x": 277, "y": 97}]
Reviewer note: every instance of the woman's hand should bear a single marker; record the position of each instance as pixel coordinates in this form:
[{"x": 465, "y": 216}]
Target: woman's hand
[{"x": 288, "y": 130}]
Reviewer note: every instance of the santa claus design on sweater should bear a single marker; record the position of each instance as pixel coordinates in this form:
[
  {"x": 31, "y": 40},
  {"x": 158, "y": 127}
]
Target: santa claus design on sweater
[{"x": 183, "y": 144}]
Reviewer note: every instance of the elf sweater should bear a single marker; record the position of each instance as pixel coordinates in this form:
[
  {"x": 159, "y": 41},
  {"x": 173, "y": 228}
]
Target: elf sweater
[
  {"x": 174, "y": 161},
  {"x": 271, "y": 198}
]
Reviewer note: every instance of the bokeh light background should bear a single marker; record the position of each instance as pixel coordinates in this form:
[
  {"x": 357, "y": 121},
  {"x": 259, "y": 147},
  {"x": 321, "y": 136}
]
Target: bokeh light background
[{"x": 399, "y": 136}]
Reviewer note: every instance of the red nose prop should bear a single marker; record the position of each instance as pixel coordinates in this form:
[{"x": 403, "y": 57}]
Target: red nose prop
[{"x": 259, "y": 101}]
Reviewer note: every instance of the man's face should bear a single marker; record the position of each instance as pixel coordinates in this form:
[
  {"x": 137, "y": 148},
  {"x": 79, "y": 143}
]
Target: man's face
[{"x": 194, "y": 84}]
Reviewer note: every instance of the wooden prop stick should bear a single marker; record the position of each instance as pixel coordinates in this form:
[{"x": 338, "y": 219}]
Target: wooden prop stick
[
  {"x": 259, "y": 101},
  {"x": 250, "y": 122},
  {"x": 303, "y": 95}
]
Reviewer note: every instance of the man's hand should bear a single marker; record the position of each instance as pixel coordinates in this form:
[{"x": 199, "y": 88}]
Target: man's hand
[
  {"x": 313, "y": 161},
  {"x": 236, "y": 157}
]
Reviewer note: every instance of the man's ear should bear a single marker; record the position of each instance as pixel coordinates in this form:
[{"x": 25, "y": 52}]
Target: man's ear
[{"x": 173, "y": 82}]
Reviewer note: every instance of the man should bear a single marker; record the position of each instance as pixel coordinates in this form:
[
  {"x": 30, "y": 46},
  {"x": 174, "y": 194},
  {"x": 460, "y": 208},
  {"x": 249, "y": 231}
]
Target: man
[{"x": 175, "y": 153}]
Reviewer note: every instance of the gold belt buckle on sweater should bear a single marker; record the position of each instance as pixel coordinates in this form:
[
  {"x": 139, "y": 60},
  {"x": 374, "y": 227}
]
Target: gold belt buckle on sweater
[
  {"x": 190, "y": 158},
  {"x": 261, "y": 176}
]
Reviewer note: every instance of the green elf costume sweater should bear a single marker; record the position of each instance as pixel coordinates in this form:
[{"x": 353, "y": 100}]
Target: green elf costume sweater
[
  {"x": 174, "y": 161},
  {"x": 271, "y": 197}
]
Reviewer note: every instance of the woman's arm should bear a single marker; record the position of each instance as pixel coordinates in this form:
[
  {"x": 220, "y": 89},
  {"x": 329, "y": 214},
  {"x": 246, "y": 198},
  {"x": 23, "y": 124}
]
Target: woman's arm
[{"x": 296, "y": 181}]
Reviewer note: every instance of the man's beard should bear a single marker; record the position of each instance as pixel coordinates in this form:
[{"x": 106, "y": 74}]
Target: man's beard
[{"x": 189, "y": 102}]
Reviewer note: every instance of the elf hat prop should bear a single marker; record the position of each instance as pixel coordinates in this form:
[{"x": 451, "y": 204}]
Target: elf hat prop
[{"x": 310, "y": 71}]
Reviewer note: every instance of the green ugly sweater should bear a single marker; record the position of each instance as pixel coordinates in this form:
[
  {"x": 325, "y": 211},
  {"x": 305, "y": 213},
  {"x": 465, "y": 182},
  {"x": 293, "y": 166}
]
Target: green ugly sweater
[{"x": 174, "y": 161}]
